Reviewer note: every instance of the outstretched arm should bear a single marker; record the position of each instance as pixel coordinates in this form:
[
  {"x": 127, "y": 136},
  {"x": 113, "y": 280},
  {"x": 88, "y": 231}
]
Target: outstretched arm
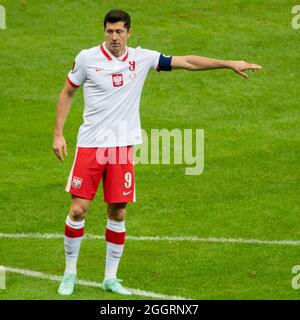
[{"x": 197, "y": 63}]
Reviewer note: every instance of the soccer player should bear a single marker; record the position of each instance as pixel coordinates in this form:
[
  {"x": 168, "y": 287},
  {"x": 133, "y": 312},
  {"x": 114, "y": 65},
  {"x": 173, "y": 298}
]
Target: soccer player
[{"x": 112, "y": 76}]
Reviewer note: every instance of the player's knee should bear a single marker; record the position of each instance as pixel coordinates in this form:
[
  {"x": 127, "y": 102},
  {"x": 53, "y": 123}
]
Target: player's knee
[{"x": 78, "y": 212}]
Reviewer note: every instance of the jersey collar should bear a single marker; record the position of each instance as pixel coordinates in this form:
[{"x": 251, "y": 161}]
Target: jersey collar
[{"x": 110, "y": 56}]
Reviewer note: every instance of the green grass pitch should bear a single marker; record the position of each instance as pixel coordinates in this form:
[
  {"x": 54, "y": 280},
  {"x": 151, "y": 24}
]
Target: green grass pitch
[{"x": 250, "y": 185}]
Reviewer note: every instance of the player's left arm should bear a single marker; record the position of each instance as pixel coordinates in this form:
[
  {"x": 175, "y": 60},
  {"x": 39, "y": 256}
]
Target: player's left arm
[{"x": 197, "y": 63}]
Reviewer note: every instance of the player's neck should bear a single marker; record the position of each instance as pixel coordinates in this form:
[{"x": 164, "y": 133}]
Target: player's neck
[
  {"x": 116, "y": 54},
  {"x": 119, "y": 53}
]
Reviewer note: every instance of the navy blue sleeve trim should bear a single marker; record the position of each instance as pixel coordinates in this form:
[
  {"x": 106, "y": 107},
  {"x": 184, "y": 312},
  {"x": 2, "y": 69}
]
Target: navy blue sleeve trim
[{"x": 164, "y": 63}]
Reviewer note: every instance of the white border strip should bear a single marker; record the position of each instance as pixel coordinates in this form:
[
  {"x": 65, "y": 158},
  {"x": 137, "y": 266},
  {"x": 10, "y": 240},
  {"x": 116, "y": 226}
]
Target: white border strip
[
  {"x": 68, "y": 186},
  {"x": 41, "y": 275},
  {"x": 157, "y": 238}
]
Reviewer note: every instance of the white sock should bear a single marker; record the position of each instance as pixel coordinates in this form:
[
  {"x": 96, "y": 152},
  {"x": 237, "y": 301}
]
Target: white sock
[
  {"x": 115, "y": 238},
  {"x": 74, "y": 231}
]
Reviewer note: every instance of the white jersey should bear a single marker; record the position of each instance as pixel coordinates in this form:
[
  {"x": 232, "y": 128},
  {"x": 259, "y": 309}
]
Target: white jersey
[{"x": 112, "y": 90}]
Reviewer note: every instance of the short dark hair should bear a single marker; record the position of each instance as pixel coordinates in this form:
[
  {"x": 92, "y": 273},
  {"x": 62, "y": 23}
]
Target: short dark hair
[{"x": 117, "y": 15}]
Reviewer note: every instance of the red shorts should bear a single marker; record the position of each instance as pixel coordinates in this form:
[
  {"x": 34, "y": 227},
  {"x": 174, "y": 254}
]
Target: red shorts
[{"x": 114, "y": 165}]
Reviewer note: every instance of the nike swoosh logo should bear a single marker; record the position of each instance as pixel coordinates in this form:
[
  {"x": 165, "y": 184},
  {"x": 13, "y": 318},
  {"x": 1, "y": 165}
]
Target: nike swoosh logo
[
  {"x": 126, "y": 193},
  {"x": 98, "y": 69}
]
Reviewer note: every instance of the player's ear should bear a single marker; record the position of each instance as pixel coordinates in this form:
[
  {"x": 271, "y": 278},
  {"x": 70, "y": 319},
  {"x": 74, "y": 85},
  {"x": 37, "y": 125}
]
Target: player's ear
[{"x": 129, "y": 32}]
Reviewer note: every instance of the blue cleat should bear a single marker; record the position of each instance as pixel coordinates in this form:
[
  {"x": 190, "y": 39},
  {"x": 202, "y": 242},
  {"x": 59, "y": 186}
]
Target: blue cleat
[
  {"x": 114, "y": 285},
  {"x": 66, "y": 287}
]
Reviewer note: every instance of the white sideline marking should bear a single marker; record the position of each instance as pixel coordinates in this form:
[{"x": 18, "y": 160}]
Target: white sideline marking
[
  {"x": 51, "y": 277},
  {"x": 128, "y": 237}
]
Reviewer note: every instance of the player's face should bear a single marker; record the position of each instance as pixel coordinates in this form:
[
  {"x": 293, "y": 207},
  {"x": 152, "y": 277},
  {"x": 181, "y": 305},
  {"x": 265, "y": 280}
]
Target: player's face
[{"x": 116, "y": 36}]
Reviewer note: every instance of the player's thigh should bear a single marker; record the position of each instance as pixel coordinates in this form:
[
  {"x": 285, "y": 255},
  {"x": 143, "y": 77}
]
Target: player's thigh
[
  {"x": 118, "y": 181},
  {"x": 85, "y": 174}
]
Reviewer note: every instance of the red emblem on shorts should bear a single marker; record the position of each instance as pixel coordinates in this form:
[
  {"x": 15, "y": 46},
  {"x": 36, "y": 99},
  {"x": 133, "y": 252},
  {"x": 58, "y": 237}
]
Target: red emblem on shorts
[
  {"x": 117, "y": 80},
  {"x": 76, "y": 182}
]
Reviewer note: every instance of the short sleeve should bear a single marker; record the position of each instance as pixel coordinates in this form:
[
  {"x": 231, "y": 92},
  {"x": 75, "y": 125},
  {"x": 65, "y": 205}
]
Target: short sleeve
[
  {"x": 76, "y": 76},
  {"x": 154, "y": 59},
  {"x": 159, "y": 61}
]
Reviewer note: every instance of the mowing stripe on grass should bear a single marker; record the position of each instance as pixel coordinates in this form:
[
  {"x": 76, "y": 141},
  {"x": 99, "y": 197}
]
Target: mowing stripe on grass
[
  {"x": 44, "y": 276},
  {"x": 157, "y": 238}
]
